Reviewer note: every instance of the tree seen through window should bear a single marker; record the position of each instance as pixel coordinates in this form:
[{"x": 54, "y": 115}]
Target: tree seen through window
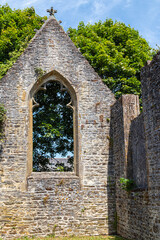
[{"x": 52, "y": 129}]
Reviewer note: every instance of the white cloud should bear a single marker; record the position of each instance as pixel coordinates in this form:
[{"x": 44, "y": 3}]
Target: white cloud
[
  {"x": 151, "y": 36},
  {"x": 29, "y": 3},
  {"x": 153, "y": 13},
  {"x": 2, "y": 2},
  {"x": 81, "y": 2},
  {"x": 97, "y": 7},
  {"x": 128, "y": 3},
  {"x": 71, "y": 4},
  {"x": 100, "y": 7}
]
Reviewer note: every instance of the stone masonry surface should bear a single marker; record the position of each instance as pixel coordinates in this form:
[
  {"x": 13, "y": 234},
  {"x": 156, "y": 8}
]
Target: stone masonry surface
[
  {"x": 138, "y": 212},
  {"x": 80, "y": 203}
]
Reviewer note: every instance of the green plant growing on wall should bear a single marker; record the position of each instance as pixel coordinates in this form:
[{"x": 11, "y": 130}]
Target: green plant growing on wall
[
  {"x": 127, "y": 184},
  {"x": 61, "y": 182},
  {"x": 52, "y": 235},
  {"x": 110, "y": 141},
  {"x": 45, "y": 199},
  {"x": 115, "y": 223},
  {"x": 108, "y": 120},
  {"x": 2, "y": 120},
  {"x": 60, "y": 169},
  {"x": 83, "y": 209},
  {"x": 111, "y": 183},
  {"x": 2, "y": 113},
  {"x": 39, "y": 72}
]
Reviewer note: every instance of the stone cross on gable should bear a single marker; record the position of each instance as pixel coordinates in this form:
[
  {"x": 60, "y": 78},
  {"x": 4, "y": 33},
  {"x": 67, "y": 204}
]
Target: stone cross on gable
[{"x": 51, "y": 11}]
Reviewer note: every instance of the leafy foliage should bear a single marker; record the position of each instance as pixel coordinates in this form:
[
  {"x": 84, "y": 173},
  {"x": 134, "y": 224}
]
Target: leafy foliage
[
  {"x": 117, "y": 53},
  {"x": 2, "y": 114},
  {"x": 2, "y": 119},
  {"x": 52, "y": 127},
  {"x": 127, "y": 184},
  {"x": 16, "y": 30}
]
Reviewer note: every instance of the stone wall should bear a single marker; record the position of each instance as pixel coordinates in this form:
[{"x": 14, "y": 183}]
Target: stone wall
[
  {"x": 132, "y": 208},
  {"x": 54, "y": 206},
  {"x": 137, "y": 147},
  {"x": 122, "y": 113},
  {"x": 150, "y": 79},
  {"x": 137, "y": 210},
  {"x": 82, "y": 202}
]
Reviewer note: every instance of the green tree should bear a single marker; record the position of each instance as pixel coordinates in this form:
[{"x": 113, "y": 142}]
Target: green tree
[
  {"x": 117, "y": 53},
  {"x": 52, "y": 127},
  {"x": 16, "y": 30}
]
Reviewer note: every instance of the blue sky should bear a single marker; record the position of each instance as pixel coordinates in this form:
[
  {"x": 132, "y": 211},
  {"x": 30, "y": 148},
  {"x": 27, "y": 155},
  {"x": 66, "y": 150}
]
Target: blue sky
[{"x": 143, "y": 15}]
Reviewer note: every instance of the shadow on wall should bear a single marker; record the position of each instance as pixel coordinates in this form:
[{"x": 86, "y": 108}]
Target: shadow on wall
[
  {"x": 112, "y": 170},
  {"x": 136, "y": 159},
  {"x": 112, "y": 216},
  {"x": 129, "y": 162},
  {"x": 2, "y": 135},
  {"x": 138, "y": 199},
  {"x": 116, "y": 152}
]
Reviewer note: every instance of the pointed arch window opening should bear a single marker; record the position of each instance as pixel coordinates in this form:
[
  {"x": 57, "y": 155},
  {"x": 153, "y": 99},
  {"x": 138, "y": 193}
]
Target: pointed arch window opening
[{"x": 53, "y": 144}]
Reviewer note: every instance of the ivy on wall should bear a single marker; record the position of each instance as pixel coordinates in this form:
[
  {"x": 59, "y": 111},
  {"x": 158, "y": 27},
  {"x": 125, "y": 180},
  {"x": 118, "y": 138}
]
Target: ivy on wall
[{"x": 2, "y": 120}]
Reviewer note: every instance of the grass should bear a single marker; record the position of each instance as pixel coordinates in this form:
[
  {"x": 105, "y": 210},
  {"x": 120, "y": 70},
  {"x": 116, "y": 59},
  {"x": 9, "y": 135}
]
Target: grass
[{"x": 76, "y": 238}]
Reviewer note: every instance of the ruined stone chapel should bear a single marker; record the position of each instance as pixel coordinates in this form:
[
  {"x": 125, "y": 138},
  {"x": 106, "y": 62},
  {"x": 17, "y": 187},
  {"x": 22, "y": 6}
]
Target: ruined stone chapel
[{"x": 112, "y": 140}]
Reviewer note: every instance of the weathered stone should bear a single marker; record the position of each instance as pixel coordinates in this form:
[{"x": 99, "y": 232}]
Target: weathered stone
[
  {"x": 111, "y": 141},
  {"x": 136, "y": 154},
  {"x": 37, "y": 202}
]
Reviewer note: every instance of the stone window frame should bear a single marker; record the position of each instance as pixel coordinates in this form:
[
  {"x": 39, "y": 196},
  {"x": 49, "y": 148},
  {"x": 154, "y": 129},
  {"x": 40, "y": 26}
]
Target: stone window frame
[{"x": 49, "y": 77}]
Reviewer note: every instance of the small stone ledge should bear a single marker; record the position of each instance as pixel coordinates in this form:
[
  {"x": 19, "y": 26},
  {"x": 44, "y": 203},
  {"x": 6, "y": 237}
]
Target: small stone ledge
[
  {"x": 138, "y": 189},
  {"x": 50, "y": 175}
]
